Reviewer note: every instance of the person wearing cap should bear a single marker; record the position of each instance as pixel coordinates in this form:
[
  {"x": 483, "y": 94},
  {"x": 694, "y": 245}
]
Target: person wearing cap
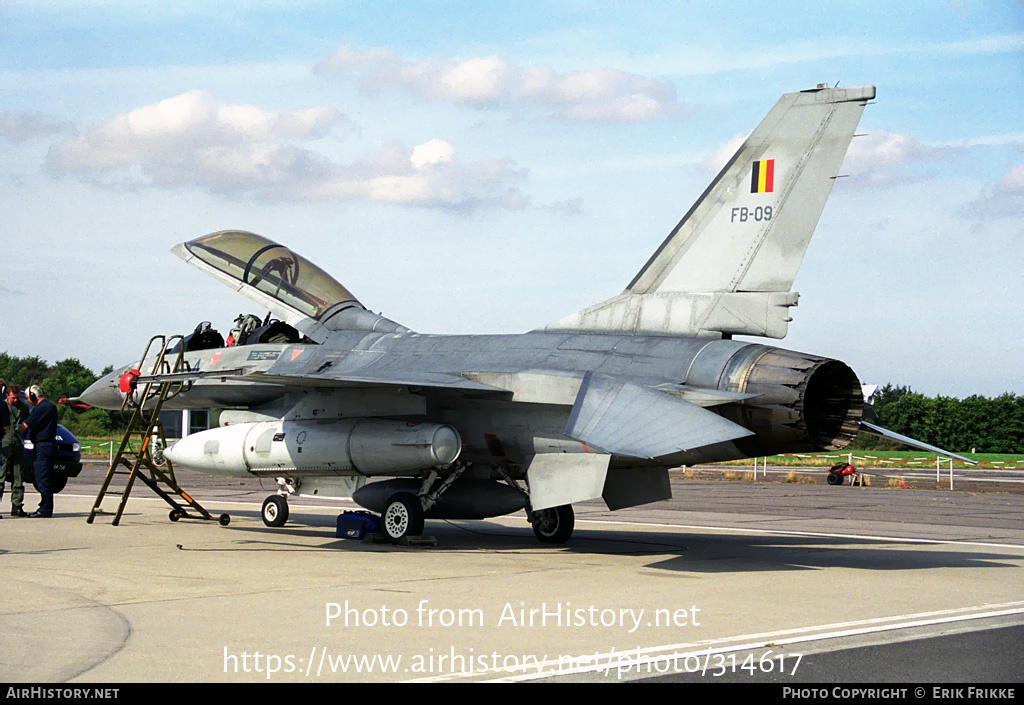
[{"x": 42, "y": 422}]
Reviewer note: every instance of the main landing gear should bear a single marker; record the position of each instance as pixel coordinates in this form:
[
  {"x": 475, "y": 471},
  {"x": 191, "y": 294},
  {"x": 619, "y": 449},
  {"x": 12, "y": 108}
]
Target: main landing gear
[
  {"x": 403, "y": 516},
  {"x": 553, "y": 525},
  {"x": 403, "y": 512}
]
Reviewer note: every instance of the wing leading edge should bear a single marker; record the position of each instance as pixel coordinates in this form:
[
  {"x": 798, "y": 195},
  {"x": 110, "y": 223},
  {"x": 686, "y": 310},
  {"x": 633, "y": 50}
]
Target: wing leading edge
[{"x": 427, "y": 380}]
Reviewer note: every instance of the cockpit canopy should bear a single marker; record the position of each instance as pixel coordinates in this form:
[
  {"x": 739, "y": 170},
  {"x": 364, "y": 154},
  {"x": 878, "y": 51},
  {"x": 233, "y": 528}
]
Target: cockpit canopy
[{"x": 255, "y": 261}]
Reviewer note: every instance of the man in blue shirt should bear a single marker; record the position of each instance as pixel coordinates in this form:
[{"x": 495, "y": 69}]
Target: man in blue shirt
[{"x": 42, "y": 422}]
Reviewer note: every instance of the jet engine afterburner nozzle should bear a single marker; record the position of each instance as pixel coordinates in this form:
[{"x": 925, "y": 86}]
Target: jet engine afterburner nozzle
[
  {"x": 803, "y": 401},
  {"x": 833, "y": 404}
]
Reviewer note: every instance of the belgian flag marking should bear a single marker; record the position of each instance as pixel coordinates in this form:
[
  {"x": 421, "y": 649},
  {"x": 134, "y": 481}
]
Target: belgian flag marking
[{"x": 762, "y": 176}]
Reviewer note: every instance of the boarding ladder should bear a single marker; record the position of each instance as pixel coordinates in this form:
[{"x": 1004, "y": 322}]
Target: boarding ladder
[{"x": 139, "y": 456}]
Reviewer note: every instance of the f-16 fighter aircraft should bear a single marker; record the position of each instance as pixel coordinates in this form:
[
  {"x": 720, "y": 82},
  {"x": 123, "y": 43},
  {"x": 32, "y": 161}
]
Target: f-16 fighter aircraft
[{"x": 598, "y": 404}]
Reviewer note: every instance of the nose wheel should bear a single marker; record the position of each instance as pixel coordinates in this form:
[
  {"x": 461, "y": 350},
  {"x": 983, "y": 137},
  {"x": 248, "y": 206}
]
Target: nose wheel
[{"x": 275, "y": 510}]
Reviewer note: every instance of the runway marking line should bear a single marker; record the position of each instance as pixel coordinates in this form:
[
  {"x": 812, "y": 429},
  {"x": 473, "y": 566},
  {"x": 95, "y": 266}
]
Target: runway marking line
[{"x": 639, "y": 657}]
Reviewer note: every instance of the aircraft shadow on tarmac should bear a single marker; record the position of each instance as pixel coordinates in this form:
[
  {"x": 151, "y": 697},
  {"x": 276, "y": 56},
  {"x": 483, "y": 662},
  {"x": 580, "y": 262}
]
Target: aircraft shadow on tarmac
[{"x": 686, "y": 553}]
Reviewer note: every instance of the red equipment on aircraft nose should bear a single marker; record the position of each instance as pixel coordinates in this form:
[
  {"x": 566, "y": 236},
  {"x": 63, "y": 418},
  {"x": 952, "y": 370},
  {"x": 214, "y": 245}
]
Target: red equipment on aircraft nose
[{"x": 128, "y": 381}]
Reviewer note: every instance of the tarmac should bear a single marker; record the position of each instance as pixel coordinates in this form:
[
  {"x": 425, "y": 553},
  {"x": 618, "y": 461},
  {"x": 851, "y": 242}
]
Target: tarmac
[{"x": 724, "y": 577}]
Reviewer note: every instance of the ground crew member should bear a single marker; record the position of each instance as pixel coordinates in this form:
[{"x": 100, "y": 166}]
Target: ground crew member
[
  {"x": 42, "y": 421},
  {"x": 12, "y": 448},
  {"x": 5, "y": 423}
]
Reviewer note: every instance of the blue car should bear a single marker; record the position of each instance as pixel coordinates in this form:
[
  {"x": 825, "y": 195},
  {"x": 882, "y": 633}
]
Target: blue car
[{"x": 67, "y": 463}]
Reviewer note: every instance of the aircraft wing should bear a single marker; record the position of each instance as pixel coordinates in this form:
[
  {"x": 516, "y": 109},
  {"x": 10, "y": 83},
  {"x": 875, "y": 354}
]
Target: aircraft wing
[
  {"x": 625, "y": 418},
  {"x": 432, "y": 380}
]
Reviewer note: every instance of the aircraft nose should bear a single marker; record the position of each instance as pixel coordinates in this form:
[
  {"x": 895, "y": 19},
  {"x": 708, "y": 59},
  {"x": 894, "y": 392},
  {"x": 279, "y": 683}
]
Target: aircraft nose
[{"x": 103, "y": 393}]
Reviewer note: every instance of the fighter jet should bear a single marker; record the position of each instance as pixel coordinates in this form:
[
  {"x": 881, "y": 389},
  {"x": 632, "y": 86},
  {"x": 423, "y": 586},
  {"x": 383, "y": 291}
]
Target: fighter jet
[{"x": 599, "y": 404}]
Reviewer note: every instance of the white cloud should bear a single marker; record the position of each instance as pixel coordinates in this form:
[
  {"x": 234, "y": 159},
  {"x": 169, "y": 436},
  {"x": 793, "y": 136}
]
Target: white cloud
[
  {"x": 1013, "y": 138},
  {"x": 875, "y": 158},
  {"x": 19, "y": 126},
  {"x": 193, "y": 140},
  {"x": 432, "y": 152},
  {"x": 714, "y": 162},
  {"x": 428, "y": 175},
  {"x": 605, "y": 95},
  {"x": 1003, "y": 199},
  {"x": 703, "y": 59},
  {"x": 1013, "y": 180}
]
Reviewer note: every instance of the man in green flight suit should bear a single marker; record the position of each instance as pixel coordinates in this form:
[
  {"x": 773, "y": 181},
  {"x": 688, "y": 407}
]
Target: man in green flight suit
[{"x": 12, "y": 449}]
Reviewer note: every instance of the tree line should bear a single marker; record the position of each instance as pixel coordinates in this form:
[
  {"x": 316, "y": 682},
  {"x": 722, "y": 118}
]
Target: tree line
[
  {"x": 977, "y": 423},
  {"x": 987, "y": 425}
]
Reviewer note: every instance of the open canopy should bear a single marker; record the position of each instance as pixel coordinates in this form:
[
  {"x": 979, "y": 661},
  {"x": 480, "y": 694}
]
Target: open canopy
[{"x": 273, "y": 269}]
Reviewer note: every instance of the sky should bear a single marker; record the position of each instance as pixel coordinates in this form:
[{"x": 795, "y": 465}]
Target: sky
[{"x": 486, "y": 167}]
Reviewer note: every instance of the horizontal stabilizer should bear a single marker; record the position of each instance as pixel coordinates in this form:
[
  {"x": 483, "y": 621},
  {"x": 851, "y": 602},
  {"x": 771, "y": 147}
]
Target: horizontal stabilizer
[
  {"x": 625, "y": 418},
  {"x": 906, "y": 440}
]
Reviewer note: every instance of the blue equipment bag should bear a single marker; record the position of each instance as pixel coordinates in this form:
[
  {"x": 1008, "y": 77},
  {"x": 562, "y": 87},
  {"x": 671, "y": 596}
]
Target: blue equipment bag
[{"x": 357, "y": 524}]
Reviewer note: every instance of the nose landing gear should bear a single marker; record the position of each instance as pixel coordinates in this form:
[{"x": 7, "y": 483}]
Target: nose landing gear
[{"x": 275, "y": 510}]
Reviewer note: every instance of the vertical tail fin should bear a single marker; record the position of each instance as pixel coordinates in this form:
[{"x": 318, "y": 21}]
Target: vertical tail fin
[{"x": 728, "y": 266}]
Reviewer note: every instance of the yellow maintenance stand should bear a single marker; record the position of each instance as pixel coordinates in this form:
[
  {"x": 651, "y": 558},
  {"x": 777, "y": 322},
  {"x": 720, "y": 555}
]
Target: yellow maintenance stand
[{"x": 137, "y": 458}]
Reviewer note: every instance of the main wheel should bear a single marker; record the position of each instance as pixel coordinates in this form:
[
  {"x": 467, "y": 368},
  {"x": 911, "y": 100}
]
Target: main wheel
[
  {"x": 275, "y": 510},
  {"x": 834, "y": 478},
  {"x": 403, "y": 516},
  {"x": 554, "y": 525}
]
